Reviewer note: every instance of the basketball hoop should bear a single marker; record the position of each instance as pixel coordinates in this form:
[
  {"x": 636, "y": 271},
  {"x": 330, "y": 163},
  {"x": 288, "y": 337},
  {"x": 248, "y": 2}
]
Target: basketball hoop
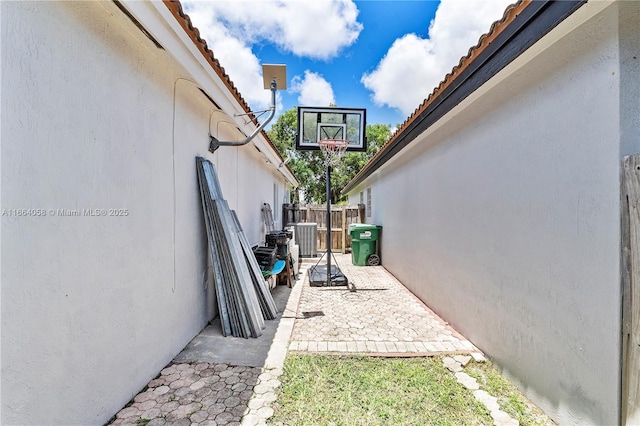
[
  {"x": 333, "y": 149},
  {"x": 327, "y": 129}
]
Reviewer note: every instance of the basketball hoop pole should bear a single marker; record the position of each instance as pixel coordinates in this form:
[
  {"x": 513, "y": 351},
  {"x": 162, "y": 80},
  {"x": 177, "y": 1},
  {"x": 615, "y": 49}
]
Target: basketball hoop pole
[
  {"x": 328, "y": 225},
  {"x": 332, "y": 150}
]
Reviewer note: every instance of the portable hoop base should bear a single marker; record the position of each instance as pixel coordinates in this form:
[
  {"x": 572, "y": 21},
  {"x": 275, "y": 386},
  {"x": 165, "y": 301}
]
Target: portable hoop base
[{"x": 318, "y": 276}]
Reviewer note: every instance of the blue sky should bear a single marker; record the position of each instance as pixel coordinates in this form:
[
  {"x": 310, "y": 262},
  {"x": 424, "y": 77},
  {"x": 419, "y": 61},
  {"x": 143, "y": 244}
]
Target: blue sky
[
  {"x": 383, "y": 22},
  {"x": 385, "y": 56}
]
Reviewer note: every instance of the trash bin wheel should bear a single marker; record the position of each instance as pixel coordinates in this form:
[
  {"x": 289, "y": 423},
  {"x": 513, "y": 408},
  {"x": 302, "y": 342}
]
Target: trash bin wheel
[{"x": 373, "y": 260}]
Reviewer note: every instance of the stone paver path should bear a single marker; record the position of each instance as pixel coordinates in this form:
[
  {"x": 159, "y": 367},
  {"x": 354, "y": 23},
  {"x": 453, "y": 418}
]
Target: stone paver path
[
  {"x": 456, "y": 365},
  {"x": 380, "y": 317},
  {"x": 204, "y": 394}
]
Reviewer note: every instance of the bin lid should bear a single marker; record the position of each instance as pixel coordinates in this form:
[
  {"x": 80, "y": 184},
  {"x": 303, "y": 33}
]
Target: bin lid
[{"x": 363, "y": 227}]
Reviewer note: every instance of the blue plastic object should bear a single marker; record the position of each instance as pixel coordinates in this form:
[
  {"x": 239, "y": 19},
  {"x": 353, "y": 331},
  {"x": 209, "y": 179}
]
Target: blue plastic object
[{"x": 278, "y": 267}]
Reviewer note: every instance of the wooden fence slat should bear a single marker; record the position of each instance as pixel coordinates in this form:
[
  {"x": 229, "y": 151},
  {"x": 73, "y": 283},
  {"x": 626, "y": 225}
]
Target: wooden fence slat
[
  {"x": 630, "y": 212},
  {"x": 341, "y": 217}
]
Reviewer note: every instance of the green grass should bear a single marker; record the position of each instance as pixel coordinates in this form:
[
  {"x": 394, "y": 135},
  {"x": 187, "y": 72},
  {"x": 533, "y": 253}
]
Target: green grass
[
  {"x": 335, "y": 390},
  {"x": 509, "y": 397}
]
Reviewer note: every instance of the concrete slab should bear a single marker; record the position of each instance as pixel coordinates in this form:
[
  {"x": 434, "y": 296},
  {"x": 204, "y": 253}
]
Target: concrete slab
[{"x": 212, "y": 347}]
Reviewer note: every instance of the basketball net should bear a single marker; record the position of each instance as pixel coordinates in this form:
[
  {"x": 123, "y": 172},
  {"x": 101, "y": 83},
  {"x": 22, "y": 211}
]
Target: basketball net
[{"x": 333, "y": 149}]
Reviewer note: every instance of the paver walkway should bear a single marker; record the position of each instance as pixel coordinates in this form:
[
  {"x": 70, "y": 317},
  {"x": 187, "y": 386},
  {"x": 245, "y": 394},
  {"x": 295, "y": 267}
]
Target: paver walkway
[
  {"x": 380, "y": 317},
  {"x": 206, "y": 386},
  {"x": 203, "y": 394}
]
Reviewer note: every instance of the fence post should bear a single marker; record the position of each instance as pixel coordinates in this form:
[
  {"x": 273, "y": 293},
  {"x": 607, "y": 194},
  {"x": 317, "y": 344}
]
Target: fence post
[{"x": 344, "y": 229}]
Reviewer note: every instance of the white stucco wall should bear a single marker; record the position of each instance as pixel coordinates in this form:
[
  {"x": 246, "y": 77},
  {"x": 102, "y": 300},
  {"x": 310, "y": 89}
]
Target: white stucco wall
[
  {"x": 504, "y": 217},
  {"x": 94, "y": 116}
]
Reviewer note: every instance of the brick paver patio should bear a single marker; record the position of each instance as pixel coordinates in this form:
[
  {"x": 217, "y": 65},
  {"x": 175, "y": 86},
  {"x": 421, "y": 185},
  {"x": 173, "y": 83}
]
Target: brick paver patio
[{"x": 381, "y": 316}]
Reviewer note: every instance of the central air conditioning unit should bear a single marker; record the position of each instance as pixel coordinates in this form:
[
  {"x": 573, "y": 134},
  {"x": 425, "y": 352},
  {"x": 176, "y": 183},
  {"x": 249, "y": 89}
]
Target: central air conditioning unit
[{"x": 307, "y": 238}]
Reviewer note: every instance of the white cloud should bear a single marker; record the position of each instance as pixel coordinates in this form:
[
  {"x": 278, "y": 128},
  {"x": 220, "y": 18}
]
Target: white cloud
[
  {"x": 317, "y": 29},
  {"x": 314, "y": 90},
  {"x": 413, "y": 66}
]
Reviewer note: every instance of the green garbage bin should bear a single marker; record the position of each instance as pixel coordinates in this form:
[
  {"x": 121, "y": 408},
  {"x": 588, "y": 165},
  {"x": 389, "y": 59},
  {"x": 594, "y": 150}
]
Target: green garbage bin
[{"x": 364, "y": 240}]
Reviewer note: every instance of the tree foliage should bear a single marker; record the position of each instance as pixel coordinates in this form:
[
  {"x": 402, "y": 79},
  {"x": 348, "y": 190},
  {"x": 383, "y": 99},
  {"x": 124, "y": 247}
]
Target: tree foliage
[{"x": 309, "y": 166}]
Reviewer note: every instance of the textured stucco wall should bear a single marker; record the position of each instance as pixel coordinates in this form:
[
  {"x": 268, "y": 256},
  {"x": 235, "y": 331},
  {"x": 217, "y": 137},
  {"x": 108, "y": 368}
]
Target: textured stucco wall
[
  {"x": 94, "y": 307},
  {"x": 504, "y": 219}
]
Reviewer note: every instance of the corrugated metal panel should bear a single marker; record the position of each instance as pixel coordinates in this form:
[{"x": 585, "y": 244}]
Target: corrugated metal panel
[{"x": 244, "y": 301}]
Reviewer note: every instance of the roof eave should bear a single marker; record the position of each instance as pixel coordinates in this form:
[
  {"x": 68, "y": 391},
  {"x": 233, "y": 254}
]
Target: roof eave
[
  {"x": 522, "y": 25},
  {"x": 175, "y": 7}
]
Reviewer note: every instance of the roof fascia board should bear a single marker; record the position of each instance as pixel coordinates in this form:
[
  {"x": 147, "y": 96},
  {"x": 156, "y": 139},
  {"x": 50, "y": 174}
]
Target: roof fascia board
[
  {"x": 533, "y": 23},
  {"x": 582, "y": 15},
  {"x": 286, "y": 173},
  {"x": 262, "y": 145},
  {"x": 275, "y": 165}
]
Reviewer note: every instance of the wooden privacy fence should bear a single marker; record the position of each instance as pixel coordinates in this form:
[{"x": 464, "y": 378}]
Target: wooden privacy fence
[{"x": 341, "y": 217}]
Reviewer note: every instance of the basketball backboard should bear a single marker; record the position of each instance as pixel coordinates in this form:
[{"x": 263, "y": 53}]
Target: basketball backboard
[{"x": 317, "y": 123}]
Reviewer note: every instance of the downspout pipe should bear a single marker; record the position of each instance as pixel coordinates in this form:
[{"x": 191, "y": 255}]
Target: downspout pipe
[{"x": 214, "y": 143}]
